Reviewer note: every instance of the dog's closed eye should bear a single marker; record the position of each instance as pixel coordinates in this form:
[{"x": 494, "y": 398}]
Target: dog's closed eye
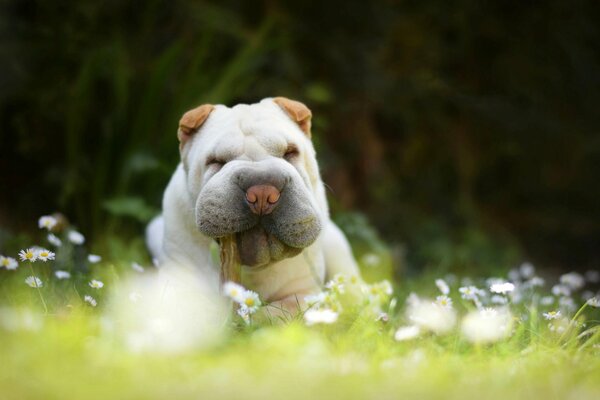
[
  {"x": 215, "y": 163},
  {"x": 291, "y": 152}
]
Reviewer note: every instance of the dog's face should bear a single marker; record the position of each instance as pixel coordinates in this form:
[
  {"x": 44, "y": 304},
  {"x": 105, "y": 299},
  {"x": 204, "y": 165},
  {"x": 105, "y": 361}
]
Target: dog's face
[{"x": 251, "y": 171}]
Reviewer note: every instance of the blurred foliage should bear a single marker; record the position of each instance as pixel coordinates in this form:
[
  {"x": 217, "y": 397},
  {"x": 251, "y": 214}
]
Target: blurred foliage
[{"x": 466, "y": 131}]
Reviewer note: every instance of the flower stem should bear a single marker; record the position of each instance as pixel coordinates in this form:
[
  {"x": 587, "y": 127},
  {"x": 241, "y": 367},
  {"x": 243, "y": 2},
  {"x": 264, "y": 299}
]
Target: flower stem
[{"x": 39, "y": 291}]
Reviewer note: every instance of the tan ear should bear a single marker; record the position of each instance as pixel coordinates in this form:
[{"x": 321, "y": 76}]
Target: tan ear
[
  {"x": 191, "y": 121},
  {"x": 297, "y": 112}
]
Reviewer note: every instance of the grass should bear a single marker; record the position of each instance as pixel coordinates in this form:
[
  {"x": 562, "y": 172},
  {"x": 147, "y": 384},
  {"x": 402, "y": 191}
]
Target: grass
[{"x": 68, "y": 352}]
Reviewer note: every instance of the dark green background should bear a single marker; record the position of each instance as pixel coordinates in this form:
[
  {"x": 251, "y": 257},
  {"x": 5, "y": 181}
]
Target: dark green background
[{"x": 465, "y": 131}]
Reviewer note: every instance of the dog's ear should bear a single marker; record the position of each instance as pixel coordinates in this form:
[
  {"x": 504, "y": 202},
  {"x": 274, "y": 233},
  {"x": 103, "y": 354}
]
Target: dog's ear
[
  {"x": 192, "y": 121},
  {"x": 297, "y": 111}
]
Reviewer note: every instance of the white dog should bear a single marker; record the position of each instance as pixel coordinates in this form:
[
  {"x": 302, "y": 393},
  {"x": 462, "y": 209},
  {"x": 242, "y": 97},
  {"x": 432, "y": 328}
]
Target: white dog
[{"x": 251, "y": 171}]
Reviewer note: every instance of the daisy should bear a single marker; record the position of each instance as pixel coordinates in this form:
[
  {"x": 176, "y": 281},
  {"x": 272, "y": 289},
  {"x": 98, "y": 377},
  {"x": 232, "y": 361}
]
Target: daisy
[
  {"x": 407, "y": 333},
  {"x": 443, "y": 301},
  {"x": 47, "y": 222},
  {"x": 527, "y": 270},
  {"x": 45, "y": 255},
  {"x": 34, "y": 282},
  {"x": 574, "y": 280},
  {"x": 250, "y": 300},
  {"x": 76, "y": 237},
  {"x": 137, "y": 267},
  {"x": 431, "y": 317},
  {"x": 470, "y": 292},
  {"x": 486, "y": 326},
  {"x": 552, "y": 315},
  {"x": 502, "y": 288},
  {"x": 8, "y": 263},
  {"x": 94, "y": 259},
  {"x": 62, "y": 274},
  {"x": 497, "y": 299},
  {"x": 442, "y": 286},
  {"x": 536, "y": 281},
  {"x": 90, "y": 300},
  {"x": 547, "y": 300},
  {"x": 28, "y": 255},
  {"x": 326, "y": 316},
  {"x": 315, "y": 299},
  {"x": 245, "y": 314},
  {"x": 594, "y": 302},
  {"x": 234, "y": 291},
  {"x": 54, "y": 240},
  {"x": 96, "y": 284},
  {"x": 561, "y": 290}
]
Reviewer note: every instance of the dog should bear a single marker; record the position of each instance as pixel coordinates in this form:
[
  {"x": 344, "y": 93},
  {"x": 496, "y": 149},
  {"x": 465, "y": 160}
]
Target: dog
[{"x": 251, "y": 171}]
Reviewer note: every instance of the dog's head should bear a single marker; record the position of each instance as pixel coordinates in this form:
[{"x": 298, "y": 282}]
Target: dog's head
[{"x": 251, "y": 171}]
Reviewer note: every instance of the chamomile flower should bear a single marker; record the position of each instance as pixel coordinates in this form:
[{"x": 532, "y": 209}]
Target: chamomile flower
[
  {"x": 76, "y": 238},
  {"x": 325, "y": 316},
  {"x": 28, "y": 255},
  {"x": 94, "y": 259},
  {"x": 90, "y": 300},
  {"x": 62, "y": 274},
  {"x": 547, "y": 300},
  {"x": 8, "y": 262},
  {"x": 34, "y": 282},
  {"x": 470, "y": 292},
  {"x": 250, "y": 300},
  {"x": 486, "y": 326},
  {"x": 45, "y": 255},
  {"x": 442, "y": 286},
  {"x": 336, "y": 284},
  {"x": 443, "y": 301},
  {"x": 502, "y": 288},
  {"x": 315, "y": 299},
  {"x": 429, "y": 316},
  {"x": 407, "y": 333},
  {"x": 137, "y": 267},
  {"x": 234, "y": 291},
  {"x": 594, "y": 302},
  {"x": 561, "y": 290},
  {"x": 552, "y": 315},
  {"x": 47, "y": 222},
  {"x": 96, "y": 284},
  {"x": 54, "y": 240},
  {"x": 527, "y": 270},
  {"x": 535, "y": 281},
  {"x": 573, "y": 280}
]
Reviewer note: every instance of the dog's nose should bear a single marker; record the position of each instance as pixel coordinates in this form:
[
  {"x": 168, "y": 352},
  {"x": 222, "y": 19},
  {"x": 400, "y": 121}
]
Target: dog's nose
[{"x": 262, "y": 199}]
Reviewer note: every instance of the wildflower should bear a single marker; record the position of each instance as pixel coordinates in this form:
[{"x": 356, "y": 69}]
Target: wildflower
[
  {"x": 470, "y": 292},
  {"x": 315, "y": 299},
  {"x": 594, "y": 302},
  {"x": 326, "y": 316},
  {"x": 96, "y": 284},
  {"x": 137, "y": 267},
  {"x": 567, "y": 303},
  {"x": 502, "y": 288},
  {"x": 552, "y": 315},
  {"x": 486, "y": 326},
  {"x": 442, "y": 286},
  {"x": 514, "y": 275},
  {"x": 28, "y": 255},
  {"x": 573, "y": 280},
  {"x": 443, "y": 301},
  {"x": 592, "y": 276},
  {"x": 76, "y": 237},
  {"x": 47, "y": 222},
  {"x": 54, "y": 240},
  {"x": 535, "y": 281},
  {"x": 407, "y": 333},
  {"x": 234, "y": 291},
  {"x": 62, "y": 274},
  {"x": 527, "y": 270},
  {"x": 245, "y": 314},
  {"x": 34, "y": 282},
  {"x": 45, "y": 255},
  {"x": 382, "y": 317},
  {"x": 371, "y": 260},
  {"x": 561, "y": 290},
  {"x": 547, "y": 300},
  {"x": 250, "y": 300},
  {"x": 498, "y": 299},
  {"x": 94, "y": 259},
  {"x": 8, "y": 263},
  {"x": 336, "y": 284},
  {"x": 432, "y": 317},
  {"x": 90, "y": 300}
]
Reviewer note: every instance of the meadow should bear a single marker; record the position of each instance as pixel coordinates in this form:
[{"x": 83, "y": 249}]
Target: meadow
[{"x": 80, "y": 331}]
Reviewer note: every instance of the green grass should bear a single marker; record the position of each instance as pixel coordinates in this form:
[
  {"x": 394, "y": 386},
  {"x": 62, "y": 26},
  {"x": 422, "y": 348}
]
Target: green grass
[{"x": 67, "y": 353}]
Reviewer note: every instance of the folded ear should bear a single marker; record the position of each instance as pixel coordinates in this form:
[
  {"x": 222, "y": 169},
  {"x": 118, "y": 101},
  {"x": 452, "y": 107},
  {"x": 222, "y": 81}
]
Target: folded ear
[
  {"x": 192, "y": 121},
  {"x": 297, "y": 111}
]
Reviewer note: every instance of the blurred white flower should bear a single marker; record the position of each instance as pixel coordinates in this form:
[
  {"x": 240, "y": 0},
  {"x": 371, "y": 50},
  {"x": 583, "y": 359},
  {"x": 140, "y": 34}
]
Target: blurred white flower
[
  {"x": 137, "y": 267},
  {"x": 527, "y": 270},
  {"x": 244, "y": 314},
  {"x": 62, "y": 274},
  {"x": 54, "y": 240},
  {"x": 487, "y": 325},
  {"x": 47, "y": 222},
  {"x": 13, "y": 319},
  {"x": 592, "y": 276},
  {"x": 28, "y": 255},
  {"x": 552, "y": 314},
  {"x": 412, "y": 299},
  {"x": 234, "y": 291},
  {"x": 443, "y": 301},
  {"x": 502, "y": 288},
  {"x": 336, "y": 284},
  {"x": 76, "y": 237},
  {"x": 470, "y": 292},
  {"x": 535, "y": 281},
  {"x": 429, "y": 316},
  {"x": 561, "y": 290},
  {"x": 325, "y": 316},
  {"x": 573, "y": 280},
  {"x": 442, "y": 286},
  {"x": 547, "y": 300},
  {"x": 498, "y": 299},
  {"x": 34, "y": 282},
  {"x": 8, "y": 263},
  {"x": 315, "y": 299},
  {"x": 382, "y": 317},
  {"x": 567, "y": 304},
  {"x": 94, "y": 259},
  {"x": 594, "y": 302},
  {"x": 96, "y": 284},
  {"x": 45, "y": 255},
  {"x": 586, "y": 295},
  {"x": 407, "y": 333},
  {"x": 371, "y": 260},
  {"x": 514, "y": 275},
  {"x": 90, "y": 300}
]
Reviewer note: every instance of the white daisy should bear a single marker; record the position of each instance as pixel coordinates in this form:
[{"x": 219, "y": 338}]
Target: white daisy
[
  {"x": 502, "y": 288},
  {"x": 497, "y": 299},
  {"x": 594, "y": 302},
  {"x": 567, "y": 304},
  {"x": 245, "y": 314},
  {"x": 76, "y": 237},
  {"x": 536, "y": 281},
  {"x": 527, "y": 270},
  {"x": 8, "y": 263},
  {"x": 442, "y": 286},
  {"x": 137, "y": 267},
  {"x": 552, "y": 315},
  {"x": 34, "y": 282},
  {"x": 573, "y": 280},
  {"x": 90, "y": 300},
  {"x": 547, "y": 300},
  {"x": 432, "y": 317},
  {"x": 561, "y": 290},
  {"x": 45, "y": 255},
  {"x": 94, "y": 259},
  {"x": 486, "y": 326},
  {"x": 96, "y": 284},
  {"x": 443, "y": 301},
  {"x": 314, "y": 299},
  {"x": 326, "y": 316},
  {"x": 28, "y": 255},
  {"x": 250, "y": 300},
  {"x": 407, "y": 333},
  {"x": 234, "y": 291},
  {"x": 47, "y": 222},
  {"x": 54, "y": 240},
  {"x": 470, "y": 292},
  {"x": 62, "y": 274}
]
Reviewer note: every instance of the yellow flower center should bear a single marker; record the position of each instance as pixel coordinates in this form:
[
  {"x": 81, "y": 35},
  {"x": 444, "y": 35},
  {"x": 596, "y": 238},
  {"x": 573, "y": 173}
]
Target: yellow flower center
[
  {"x": 249, "y": 301},
  {"x": 44, "y": 254}
]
